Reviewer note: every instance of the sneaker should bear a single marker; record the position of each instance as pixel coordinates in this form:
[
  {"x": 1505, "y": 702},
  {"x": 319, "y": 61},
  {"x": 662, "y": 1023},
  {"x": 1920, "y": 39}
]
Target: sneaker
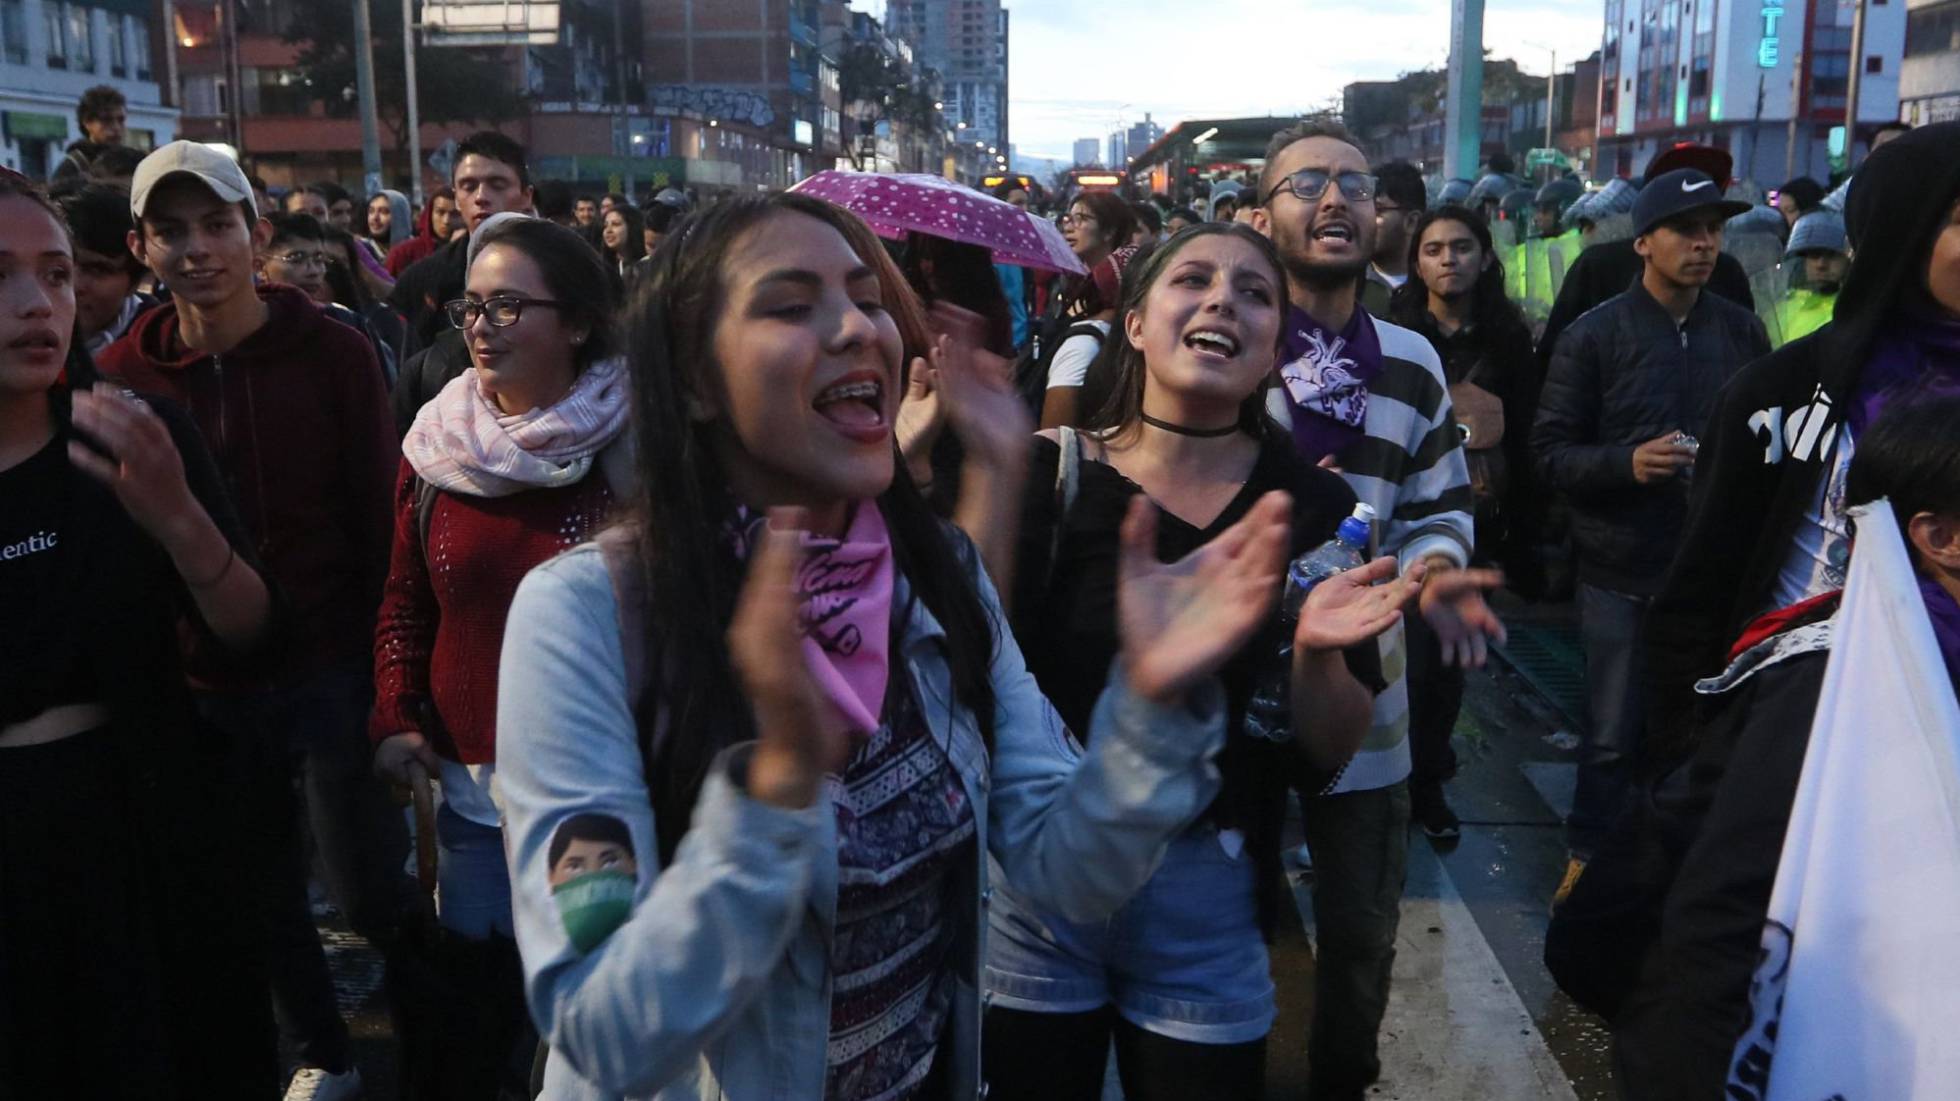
[
  {"x": 1432, "y": 812},
  {"x": 1573, "y": 869},
  {"x": 314, "y": 1084}
]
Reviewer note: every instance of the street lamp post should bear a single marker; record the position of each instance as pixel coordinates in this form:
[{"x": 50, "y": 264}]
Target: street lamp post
[
  {"x": 364, "y": 83},
  {"x": 413, "y": 104}
]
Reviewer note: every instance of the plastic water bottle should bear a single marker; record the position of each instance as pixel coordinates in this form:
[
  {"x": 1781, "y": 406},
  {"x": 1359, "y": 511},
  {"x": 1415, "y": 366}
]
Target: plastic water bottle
[{"x": 1268, "y": 714}]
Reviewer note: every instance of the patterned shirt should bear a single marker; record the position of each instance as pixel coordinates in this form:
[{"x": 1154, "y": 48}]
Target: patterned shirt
[{"x": 903, "y": 823}]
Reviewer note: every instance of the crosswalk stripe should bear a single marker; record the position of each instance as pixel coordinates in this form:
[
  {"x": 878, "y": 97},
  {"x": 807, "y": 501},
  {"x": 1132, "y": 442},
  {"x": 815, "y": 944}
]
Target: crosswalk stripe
[{"x": 1456, "y": 1029}]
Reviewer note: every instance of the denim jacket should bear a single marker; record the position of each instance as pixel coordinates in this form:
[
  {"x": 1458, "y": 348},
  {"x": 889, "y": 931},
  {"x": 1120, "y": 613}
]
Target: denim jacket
[{"x": 717, "y": 983}]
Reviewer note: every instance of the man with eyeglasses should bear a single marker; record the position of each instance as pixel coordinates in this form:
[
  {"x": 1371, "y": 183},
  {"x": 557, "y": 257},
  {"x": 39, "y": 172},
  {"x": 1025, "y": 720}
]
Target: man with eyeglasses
[
  {"x": 297, "y": 256},
  {"x": 292, "y": 406},
  {"x": 1368, "y": 398},
  {"x": 1400, "y": 198}
]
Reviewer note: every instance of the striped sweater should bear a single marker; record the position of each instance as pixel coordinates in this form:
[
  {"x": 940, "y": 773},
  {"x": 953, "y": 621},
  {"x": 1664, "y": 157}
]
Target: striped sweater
[{"x": 1409, "y": 466}]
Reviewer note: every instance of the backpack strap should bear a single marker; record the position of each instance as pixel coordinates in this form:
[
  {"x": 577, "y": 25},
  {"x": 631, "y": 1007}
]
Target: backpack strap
[
  {"x": 1068, "y": 486},
  {"x": 425, "y": 510}
]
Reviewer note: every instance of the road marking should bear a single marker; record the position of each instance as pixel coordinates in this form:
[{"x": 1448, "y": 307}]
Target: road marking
[{"x": 1456, "y": 1029}]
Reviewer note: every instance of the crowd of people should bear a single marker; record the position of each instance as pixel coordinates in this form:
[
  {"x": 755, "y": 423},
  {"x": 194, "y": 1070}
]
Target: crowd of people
[{"x": 852, "y": 667}]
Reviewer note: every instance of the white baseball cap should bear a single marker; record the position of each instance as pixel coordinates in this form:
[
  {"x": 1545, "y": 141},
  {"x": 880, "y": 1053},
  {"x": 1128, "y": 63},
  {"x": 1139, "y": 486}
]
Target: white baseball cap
[{"x": 208, "y": 166}]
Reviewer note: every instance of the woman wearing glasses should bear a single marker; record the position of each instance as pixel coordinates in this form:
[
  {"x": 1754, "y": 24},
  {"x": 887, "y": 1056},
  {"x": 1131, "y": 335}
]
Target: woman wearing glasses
[{"x": 515, "y": 460}]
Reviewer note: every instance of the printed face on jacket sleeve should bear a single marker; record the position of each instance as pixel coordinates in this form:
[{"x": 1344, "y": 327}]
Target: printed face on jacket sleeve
[{"x": 593, "y": 875}]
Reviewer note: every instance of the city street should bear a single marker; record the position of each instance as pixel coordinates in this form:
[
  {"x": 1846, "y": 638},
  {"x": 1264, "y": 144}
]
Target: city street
[{"x": 1473, "y": 1015}]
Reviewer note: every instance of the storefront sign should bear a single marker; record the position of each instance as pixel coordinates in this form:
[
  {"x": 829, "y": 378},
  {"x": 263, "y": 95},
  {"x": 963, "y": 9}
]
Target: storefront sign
[{"x": 1769, "y": 48}]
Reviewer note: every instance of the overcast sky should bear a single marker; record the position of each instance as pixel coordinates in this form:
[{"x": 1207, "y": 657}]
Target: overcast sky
[{"x": 1078, "y": 66}]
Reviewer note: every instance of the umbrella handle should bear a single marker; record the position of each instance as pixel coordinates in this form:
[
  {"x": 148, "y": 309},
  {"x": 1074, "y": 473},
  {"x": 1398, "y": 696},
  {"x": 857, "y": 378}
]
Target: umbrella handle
[{"x": 425, "y": 827}]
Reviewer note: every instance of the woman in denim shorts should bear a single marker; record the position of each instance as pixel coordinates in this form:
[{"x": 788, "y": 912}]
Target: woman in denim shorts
[{"x": 1179, "y": 976}]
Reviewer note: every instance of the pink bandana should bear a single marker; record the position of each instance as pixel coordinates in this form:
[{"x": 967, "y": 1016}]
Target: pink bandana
[{"x": 846, "y": 591}]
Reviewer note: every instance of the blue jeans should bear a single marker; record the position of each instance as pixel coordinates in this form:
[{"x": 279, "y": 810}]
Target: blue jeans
[
  {"x": 473, "y": 879},
  {"x": 1610, "y": 627},
  {"x": 1182, "y": 959}
]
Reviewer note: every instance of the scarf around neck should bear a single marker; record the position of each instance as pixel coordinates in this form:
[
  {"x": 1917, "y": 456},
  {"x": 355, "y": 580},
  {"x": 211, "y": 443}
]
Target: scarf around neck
[
  {"x": 463, "y": 443},
  {"x": 1914, "y": 355},
  {"x": 844, "y": 587},
  {"x": 1326, "y": 375}
]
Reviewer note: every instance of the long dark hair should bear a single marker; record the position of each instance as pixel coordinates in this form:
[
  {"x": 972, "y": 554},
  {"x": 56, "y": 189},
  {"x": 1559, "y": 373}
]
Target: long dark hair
[
  {"x": 1490, "y": 306},
  {"x": 635, "y": 245},
  {"x": 575, "y": 275},
  {"x": 1123, "y": 365},
  {"x": 691, "y": 573}
]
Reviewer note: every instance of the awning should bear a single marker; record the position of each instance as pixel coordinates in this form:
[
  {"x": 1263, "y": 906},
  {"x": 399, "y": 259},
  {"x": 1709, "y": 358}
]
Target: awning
[{"x": 27, "y": 124}]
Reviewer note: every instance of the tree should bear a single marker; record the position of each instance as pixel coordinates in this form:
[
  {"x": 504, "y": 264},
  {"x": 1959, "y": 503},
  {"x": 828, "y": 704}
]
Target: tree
[
  {"x": 875, "y": 88},
  {"x": 454, "y": 84}
]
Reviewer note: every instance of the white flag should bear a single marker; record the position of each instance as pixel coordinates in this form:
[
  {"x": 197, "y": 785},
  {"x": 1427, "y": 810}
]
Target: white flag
[{"x": 1858, "y": 990}]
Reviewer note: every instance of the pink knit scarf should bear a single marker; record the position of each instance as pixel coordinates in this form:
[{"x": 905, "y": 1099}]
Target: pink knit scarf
[{"x": 463, "y": 443}]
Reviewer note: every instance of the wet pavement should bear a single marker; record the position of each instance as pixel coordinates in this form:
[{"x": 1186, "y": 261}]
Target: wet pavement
[{"x": 1473, "y": 1015}]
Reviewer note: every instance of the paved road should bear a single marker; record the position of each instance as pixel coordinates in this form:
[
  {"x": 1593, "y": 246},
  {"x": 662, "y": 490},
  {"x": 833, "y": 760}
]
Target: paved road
[{"x": 1473, "y": 1016}]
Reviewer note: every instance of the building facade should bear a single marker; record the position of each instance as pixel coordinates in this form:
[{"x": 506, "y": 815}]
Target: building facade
[
  {"x": 966, "y": 42},
  {"x": 768, "y": 57},
  {"x": 51, "y": 51},
  {"x": 1929, "y": 78},
  {"x": 1767, "y": 80},
  {"x": 1088, "y": 151}
]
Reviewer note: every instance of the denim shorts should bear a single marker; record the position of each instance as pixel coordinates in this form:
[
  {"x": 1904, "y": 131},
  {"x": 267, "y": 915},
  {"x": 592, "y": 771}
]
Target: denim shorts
[{"x": 1183, "y": 959}]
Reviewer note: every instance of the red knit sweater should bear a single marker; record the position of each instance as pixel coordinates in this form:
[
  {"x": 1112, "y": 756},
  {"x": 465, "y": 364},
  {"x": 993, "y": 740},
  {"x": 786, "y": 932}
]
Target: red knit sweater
[{"x": 441, "y": 628}]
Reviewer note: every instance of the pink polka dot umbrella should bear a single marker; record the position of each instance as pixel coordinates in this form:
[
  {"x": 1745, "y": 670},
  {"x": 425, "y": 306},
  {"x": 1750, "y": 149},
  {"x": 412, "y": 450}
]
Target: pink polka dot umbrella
[{"x": 895, "y": 205}]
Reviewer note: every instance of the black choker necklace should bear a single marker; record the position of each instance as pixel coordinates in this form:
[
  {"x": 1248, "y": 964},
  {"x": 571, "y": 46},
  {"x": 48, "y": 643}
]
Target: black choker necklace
[{"x": 1184, "y": 430}]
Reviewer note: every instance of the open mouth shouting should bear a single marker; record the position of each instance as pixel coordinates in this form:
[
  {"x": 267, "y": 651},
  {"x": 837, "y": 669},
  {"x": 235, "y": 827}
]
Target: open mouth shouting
[
  {"x": 855, "y": 407},
  {"x": 1212, "y": 344},
  {"x": 1334, "y": 231}
]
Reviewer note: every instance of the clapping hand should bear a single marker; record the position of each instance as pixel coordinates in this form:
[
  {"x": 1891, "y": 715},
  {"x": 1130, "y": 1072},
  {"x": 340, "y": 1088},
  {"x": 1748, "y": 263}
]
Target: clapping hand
[
  {"x": 1452, "y": 602},
  {"x": 800, "y": 735},
  {"x": 1180, "y": 622},
  {"x": 1351, "y": 607}
]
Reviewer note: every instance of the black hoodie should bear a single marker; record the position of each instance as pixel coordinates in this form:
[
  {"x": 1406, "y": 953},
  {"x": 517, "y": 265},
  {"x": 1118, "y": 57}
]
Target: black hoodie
[{"x": 1773, "y": 435}]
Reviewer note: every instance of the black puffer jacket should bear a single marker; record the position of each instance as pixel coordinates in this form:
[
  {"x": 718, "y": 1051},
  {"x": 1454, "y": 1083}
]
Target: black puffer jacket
[{"x": 1623, "y": 374}]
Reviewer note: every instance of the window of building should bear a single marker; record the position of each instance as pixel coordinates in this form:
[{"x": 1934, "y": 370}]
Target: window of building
[
  {"x": 117, "y": 49},
  {"x": 1874, "y": 64},
  {"x": 139, "y": 47},
  {"x": 203, "y": 94},
  {"x": 13, "y": 31},
  {"x": 57, "y": 35},
  {"x": 1934, "y": 29},
  {"x": 81, "y": 44}
]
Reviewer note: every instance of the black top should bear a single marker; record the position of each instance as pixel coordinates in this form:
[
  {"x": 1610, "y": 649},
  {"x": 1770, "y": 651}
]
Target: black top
[
  {"x": 1065, "y": 616},
  {"x": 93, "y": 604}
]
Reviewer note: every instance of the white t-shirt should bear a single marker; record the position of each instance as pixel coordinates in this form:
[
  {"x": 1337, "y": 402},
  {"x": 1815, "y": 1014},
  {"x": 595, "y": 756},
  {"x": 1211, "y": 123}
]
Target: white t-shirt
[
  {"x": 1822, "y": 548},
  {"x": 1070, "y": 367}
]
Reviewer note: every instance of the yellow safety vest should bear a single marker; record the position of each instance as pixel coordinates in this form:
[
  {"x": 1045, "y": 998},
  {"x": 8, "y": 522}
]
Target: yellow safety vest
[{"x": 1800, "y": 313}]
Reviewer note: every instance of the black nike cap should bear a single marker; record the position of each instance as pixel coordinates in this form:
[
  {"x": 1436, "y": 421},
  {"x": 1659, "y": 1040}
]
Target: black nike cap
[{"x": 1674, "y": 193}]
